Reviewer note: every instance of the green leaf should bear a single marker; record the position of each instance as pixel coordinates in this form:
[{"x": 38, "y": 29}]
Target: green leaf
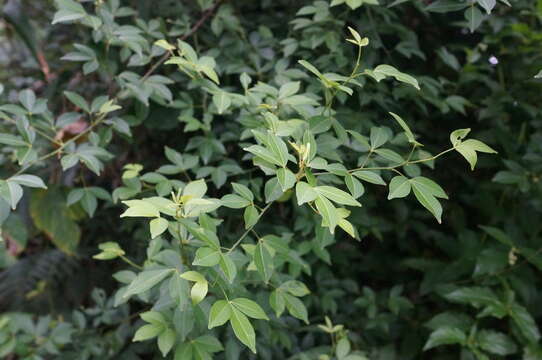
[
  {"x": 525, "y": 322},
  {"x": 250, "y": 216},
  {"x": 206, "y": 256},
  {"x": 468, "y": 149},
  {"x": 444, "y": 6},
  {"x": 233, "y": 201},
  {"x": 343, "y": 348},
  {"x": 289, "y": 89},
  {"x": 166, "y": 340},
  {"x": 243, "y": 329},
  {"x": 276, "y": 300},
  {"x": 304, "y": 193},
  {"x": 184, "y": 351},
  {"x": 428, "y": 186},
  {"x": 496, "y": 343},
  {"x": 146, "y": 280},
  {"x": 199, "y": 291},
  {"x": 296, "y": 307},
  {"x": 222, "y": 101},
  {"x": 207, "y": 344},
  {"x": 158, "y": 226},
  {"x": 77, "y": 100},
  {"x": 399, "y": 187},
  {"x": 474, "y": 17},
  {"x": 153, "y": 317},
  {"x": 110, "y": 250},
  {"x": 249, "y": 308},
  {"x": 336, "y": 195},
  {"x": 264, "y": 154},
  {"x": 488, "y": 5},
  {"x": 379, "y": 136},
  {"x": 354, "y": 186},
  {"x": 140, "y": 208},
  {"x": 69, "y": 10},
  {"x": 28, "y": 99},
  {"x": 28, "y": 180},
  {"x": 286, "y": 178},
  {"x": 228, "y": 267},
  {"x": 51, "y": 215},
  {"x": 263, "y": 261},
  {"x": 328, "y": 212},
  {"x": 370, "y": 177},
  {"x": 457, "y": 135},
  {"x": 445, "y": 336},
  {"x": 12, "y": 140},
  {"x": 310, "y": 67},
  {"x": 147, "y": 332},
  {"x": 196, "y": 189},
  {"x": 243, "y": 191},
  {"x": 408, "y": 132},
  {"x": 383, "y": 71},
  {"x": 278, "y": 148},
  {"x": 428, "y": 200},
  {"x": 296, "y": 288},
  {"x": 219, "y": 314}
]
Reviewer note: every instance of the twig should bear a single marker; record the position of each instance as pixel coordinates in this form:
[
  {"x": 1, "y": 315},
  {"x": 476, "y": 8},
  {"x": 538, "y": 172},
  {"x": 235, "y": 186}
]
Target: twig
[{"x": 206, "y": 15}]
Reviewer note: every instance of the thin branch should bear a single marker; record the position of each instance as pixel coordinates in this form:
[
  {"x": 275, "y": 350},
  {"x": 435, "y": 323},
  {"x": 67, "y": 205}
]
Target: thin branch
[
  {"x": 206, "y": 15},
  {"x": 249, "y": 229}
]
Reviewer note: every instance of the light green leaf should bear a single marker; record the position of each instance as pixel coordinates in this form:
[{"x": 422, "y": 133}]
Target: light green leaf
[
  {"x": 408, "y": 132},
  {"x": 278, "y": 148},
  {"x": 166, "y": 340},
  {"x": 427, "y": 199},
  {"x": 328, "y": 212},
  {"x": 219, "y": 314},
  {"x": 304, "y": 193},
  {"x": 243, "y": 191},
  {"x": 28, "y": 180},
  {"x": 263, "y": 261},
  {"x": 249, "y": 308},
  {"x": 379, "y": 136},
  {"x": 243, "y": 329},
  {"x": 233, "y": 201},
  {"x": 468, "y": 149},
  {"x": 206, "y": 256},
  {"x": 263, "y": 153},
  {"x": 399, "y": 187},
  {"x": 140, "y": 208},
  {"x": 370, "y": 177},
  {"x": 276, "y": 300},
  {"x": 158, "y": 226},
  {"x": 336, "y": 195},
  {"x": 286, "y": 178},
  {"x": 196, "y": 189},
  {"x": 222, "y": 101},
  {"x": 250, "y": 216},
  {"x": 228, "y": 267},
  {"x": 147, "y": 332},
  {"x": 146, "y": 280},
  {"x": 296, "y": 288},
  {"x": 296, "y": 307}
]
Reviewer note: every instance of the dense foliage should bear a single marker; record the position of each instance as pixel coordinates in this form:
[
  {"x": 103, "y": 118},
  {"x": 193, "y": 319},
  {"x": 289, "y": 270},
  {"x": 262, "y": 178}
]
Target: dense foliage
[{"x": 270, "y": 179}]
